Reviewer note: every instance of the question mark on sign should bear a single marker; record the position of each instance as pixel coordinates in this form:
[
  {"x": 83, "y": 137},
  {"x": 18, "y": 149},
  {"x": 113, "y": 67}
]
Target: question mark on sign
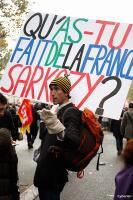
[{"x": 100, "y": 110}]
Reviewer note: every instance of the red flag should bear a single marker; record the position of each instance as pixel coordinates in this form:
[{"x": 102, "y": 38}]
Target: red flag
[{"x": 25, "y": 114}]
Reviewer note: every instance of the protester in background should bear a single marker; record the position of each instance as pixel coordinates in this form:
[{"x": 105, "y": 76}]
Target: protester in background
[
  {"x": 124, "y": 179},
  {"x": 105, "y": 123},
  {"x": 127, "y": 123},
  {"x": 16, "y": 120},
  {"x": 115, "y": 126},
  {"x": 6, "y": 120},
  {"x": 51, "y": 175},
  {"x": 33, "y": 128},
  {"x": 8, "y": 168}
]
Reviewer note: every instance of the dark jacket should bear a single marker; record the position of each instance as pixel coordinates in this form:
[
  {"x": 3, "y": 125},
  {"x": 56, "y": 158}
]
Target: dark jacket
[
  {"x": 124, "y": 184},
  {"x": 16, "y": 121},
  {"x": 127, "y": 125},
  {"x": 34, "y": 124},
  {"x": 115, "y": 127},
  {"x": 6, "y": 121},
  {"x": 8, "y": 176},
  {"x": 50, "y": 172}
]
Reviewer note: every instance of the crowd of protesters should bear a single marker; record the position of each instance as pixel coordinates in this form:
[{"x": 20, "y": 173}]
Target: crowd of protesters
[
  {"x": 10, "y": 124},
  {"x": 51, "y": 175}
]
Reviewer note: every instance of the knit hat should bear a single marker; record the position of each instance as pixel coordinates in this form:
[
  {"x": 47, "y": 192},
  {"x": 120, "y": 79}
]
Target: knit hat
[{"x": 63, "y": 83}]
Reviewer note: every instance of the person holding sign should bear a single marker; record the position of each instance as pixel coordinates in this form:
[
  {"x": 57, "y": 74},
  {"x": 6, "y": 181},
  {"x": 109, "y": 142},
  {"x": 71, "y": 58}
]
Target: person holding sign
[{"x": 51, "y": 175}]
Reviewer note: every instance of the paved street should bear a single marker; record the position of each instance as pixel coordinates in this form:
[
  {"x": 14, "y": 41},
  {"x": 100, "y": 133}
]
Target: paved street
[
  {"x": 95, "y": 185},
  {"x": 26, "y": 165}
]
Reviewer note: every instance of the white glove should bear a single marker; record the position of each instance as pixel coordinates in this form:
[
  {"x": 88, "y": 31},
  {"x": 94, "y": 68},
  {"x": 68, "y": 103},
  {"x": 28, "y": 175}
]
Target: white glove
[{"x": 53, "y": 124}]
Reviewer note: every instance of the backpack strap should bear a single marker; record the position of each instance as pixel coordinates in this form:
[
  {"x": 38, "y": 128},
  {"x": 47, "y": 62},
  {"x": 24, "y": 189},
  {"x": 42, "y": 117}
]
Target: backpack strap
[
  {"x": 69, "y": 108},
  {"x": 98, "y": 159}
]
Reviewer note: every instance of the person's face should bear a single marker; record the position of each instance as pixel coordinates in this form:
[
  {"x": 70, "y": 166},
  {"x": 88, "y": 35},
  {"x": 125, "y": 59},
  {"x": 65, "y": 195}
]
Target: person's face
[
  {"x": 58, "y": 95},
  {"x": 2, "y": 109}
]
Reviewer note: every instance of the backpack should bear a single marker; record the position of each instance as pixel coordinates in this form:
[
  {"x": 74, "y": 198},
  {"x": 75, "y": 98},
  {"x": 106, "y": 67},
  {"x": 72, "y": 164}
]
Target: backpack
[{"x": 91, "y": 137}]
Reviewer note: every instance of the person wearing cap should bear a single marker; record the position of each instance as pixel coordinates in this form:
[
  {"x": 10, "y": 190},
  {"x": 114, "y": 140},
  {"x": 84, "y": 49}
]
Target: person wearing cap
[{"x": 51, "y": 175}]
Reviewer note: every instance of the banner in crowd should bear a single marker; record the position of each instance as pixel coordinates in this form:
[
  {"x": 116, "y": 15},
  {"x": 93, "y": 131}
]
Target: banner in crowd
[
  {"x": 97, "y": 54},
  {"x": 25, "y": 114}
]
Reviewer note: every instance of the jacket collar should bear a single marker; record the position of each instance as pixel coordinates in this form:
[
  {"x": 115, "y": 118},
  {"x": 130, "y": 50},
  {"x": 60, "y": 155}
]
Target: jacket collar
[{"x": 63, "y": 108}]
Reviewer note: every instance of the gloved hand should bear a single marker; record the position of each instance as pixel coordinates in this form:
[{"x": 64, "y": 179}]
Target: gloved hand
[{"x": 53, "y": 124}]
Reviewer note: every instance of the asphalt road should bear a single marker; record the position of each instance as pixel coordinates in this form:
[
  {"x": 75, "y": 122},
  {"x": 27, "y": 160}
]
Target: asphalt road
[{"x": 26, "y": 165}]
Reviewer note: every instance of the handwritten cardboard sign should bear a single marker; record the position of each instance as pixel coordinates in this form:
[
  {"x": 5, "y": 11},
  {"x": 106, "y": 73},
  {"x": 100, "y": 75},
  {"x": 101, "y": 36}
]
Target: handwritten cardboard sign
[{"x": 97, "y": 54}]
